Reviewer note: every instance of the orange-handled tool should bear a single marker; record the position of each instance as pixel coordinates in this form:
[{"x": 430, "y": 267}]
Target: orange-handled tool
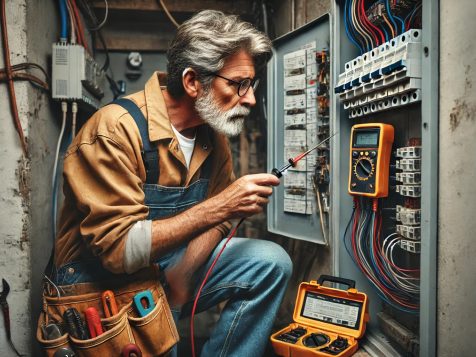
[{"x": 109, "y": 303}]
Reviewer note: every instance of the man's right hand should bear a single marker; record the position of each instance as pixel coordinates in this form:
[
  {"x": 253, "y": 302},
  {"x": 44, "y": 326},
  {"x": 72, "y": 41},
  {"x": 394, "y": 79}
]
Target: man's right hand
[{"x": 246, "y": 196}]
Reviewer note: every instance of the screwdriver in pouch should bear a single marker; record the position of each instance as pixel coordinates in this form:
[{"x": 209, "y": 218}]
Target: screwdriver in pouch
[{"x": 293, "y": 161}]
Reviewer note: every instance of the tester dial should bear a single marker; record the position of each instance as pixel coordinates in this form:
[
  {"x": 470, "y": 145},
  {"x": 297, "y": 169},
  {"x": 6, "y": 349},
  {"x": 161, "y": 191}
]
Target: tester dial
[{"x": 370, "y": 149}]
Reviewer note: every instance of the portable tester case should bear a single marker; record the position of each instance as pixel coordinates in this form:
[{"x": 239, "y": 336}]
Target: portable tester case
[{"x": 327, "y": 321}]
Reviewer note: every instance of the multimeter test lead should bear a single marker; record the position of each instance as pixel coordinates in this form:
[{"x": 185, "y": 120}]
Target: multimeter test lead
[
  {"x": 293, "y": 161},
  {"x": 278, "y": 173}
]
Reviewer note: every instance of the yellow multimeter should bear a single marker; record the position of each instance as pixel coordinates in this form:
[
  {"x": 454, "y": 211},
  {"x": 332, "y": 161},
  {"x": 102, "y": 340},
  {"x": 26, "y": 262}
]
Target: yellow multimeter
[{"x": 370, "y": 149}]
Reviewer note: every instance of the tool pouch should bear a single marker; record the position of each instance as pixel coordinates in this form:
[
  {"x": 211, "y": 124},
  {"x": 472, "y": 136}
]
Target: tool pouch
[{"x": 155, "y": 334}]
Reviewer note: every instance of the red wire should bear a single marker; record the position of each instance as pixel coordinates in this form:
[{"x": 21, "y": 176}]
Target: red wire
[
  {"x": 232, "y": 233},
  {"x": 364, "y": 21},
  {"x": 79, "y": 25},
  {"x": 9, "y": 73}
]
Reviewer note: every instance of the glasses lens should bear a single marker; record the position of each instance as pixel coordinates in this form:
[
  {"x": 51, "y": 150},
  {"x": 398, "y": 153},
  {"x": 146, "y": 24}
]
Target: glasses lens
[
  {"x": 255, "y": 84},
  {"x": 245, "y": 84}
]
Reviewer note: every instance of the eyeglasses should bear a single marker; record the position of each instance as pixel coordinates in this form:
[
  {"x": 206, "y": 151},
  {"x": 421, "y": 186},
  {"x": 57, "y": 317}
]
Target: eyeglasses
[{"x": 243, "y": 85}]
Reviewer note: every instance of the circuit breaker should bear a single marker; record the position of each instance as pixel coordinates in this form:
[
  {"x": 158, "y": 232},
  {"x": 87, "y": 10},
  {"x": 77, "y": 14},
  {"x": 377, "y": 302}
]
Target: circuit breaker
[{"x": 298, "y": 101}]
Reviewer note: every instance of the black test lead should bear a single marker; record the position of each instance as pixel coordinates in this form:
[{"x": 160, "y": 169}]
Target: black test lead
[{"x": 293, "y": 161}]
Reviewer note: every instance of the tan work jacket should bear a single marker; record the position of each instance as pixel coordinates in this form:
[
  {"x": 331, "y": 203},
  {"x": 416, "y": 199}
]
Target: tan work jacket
[{"x": 104, "y": 173}]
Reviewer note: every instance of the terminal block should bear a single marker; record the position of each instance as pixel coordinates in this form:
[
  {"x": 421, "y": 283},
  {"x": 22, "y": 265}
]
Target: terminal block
[
  {"x": 408, "y": 216},
  {"x": 409, "y": 190},
  {"x": 409, "y": 152},
  {"x": 410, "y": 232},
  {"x": 408, "y": 164},
  {"x": 410, "y": 246}
]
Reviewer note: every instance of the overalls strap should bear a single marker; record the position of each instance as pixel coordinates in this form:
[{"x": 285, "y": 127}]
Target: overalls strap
[{"x": 150, "y": 154}]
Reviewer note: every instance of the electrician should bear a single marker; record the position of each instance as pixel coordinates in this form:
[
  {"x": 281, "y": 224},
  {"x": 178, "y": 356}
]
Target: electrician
[{"x": 121, "y": 214}]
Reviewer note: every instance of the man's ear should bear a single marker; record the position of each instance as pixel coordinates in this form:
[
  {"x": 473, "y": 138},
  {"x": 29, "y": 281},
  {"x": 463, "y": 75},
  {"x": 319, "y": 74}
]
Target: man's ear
[{"x": 190, "y": 82}]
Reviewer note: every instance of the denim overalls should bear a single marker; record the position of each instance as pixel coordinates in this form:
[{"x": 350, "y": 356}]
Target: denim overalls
[
  {"x": 251, "y": 274},
  {"x": 162, "y": 202}
]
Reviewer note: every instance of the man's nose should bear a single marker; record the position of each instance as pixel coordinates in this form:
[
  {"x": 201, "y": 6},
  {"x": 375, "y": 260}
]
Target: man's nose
[{"x": 249, "y": 98}]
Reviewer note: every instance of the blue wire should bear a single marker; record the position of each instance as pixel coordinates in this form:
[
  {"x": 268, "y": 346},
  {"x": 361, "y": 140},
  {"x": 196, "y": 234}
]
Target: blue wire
[
  {"x": 415, "y": 9},
  {"x": 64, "y": 19},
  {"x": 389, "y": 13},
  {"x": 349, "y": 35},
  {"x": 401, "y": 21}
]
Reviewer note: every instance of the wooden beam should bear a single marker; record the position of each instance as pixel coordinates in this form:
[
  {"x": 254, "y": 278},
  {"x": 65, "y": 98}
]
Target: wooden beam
[
  {"x": 127, "y": 40},
  {"x": 238, "y": 7}
]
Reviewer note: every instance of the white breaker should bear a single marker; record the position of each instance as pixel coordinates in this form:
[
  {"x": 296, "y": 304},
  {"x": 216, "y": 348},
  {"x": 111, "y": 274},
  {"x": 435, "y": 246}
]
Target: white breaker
[{"x": 386, "y": 77}]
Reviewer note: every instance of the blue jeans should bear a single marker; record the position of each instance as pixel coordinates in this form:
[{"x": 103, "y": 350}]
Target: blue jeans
[{"x": 252, "y": 275}]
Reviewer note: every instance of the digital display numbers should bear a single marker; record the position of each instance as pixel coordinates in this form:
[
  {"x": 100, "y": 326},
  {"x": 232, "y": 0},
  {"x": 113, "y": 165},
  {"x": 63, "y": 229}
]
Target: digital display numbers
[{"x": 366, "y": 139}]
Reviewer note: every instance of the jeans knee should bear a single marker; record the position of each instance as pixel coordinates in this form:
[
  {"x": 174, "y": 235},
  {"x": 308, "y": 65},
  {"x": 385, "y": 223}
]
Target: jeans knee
[{"x": 279, "y": 259}]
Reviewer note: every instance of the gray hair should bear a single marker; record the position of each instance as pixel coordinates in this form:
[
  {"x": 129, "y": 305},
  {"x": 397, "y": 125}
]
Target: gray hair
[{"x": 206, "y": 40}]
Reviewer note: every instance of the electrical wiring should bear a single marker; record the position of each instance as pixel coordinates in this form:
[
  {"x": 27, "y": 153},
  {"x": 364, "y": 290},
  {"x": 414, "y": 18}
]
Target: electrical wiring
[
  {"x": 355, "y": 34},
  {"x": 54, "y": 180},
  {"x": 358, "y": 28},
  {"x": 410, "y": 17},
  {"x": 366, "y": 23},
  {"x": 9, "y": 74},
  {"x": 195, "y": 302},
  {"x": 80, "y": 27},
  {"x": 74, "y": 110},
  {"x": 397, "y": 286},
  {"x": 24, "y": 77},
  {"x": 348, "y": 31},
  {"x": 389, "y": 14},
  {"x": 72, "y": 23},
  {"x": 371, "y": 25},
  {"x": 169, "y": 15},
  {"x": 387, "y": 22},
  {"x": 104, "y": 20},
  {"x": 64, "y": 21}
]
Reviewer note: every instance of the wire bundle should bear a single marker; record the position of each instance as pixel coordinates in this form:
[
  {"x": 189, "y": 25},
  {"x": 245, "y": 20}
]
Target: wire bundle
[
  {"x": 365, "y": 34},
  {"x": 397, "y": 286}
]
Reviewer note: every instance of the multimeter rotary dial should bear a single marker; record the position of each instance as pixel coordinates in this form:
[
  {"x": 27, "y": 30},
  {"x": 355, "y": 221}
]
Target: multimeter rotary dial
[{"x": 364, "y": 168}]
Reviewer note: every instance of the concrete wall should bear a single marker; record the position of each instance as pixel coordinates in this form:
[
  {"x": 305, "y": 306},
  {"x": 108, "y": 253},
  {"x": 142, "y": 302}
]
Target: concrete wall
[
  {"x": 457, "y": 192},
  {"x": 26, "y": 180}
]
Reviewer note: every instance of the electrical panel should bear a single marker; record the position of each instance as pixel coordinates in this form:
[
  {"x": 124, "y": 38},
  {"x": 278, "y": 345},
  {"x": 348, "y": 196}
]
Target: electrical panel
[
  {"x": 382, "y": 71},
  {"x": 382, "y": 75},
  {"x": 299, "y": 86},
  {"x": 76, "y": 76}
]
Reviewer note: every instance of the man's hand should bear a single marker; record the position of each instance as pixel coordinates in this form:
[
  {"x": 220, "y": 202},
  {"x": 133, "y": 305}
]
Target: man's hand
[{"x": 246, "y": 196}]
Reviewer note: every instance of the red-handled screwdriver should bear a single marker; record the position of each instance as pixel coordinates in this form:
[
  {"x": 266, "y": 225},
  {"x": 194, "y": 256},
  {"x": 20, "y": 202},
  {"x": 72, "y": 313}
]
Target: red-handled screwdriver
[{"x": 93, "y": 321}]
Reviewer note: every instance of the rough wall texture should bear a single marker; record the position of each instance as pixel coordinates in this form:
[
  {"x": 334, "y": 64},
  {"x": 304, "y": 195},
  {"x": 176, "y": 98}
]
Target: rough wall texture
[
  {"x": 14, "y": 193},
  {"x": 25, "y": 191},
  {"x": 457, "y": 192}
]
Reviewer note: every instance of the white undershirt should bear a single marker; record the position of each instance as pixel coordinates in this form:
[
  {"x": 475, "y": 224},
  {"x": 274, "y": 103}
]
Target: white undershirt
[
  {"x": 139, "y": 238},
  {"x": 186, "y": 145}
]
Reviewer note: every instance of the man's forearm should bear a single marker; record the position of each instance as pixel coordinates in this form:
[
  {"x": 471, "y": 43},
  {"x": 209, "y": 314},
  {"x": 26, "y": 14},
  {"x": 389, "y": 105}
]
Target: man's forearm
[{"x": 169, "y": 233}]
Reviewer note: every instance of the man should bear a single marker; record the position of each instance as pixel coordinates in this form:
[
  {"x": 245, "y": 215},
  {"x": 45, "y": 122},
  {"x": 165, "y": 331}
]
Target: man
[{"x": 125, "y": 210}]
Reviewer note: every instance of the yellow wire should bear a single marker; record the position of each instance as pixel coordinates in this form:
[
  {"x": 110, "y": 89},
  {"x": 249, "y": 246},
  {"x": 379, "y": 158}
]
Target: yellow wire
[
  {"x": 389, "y": 24},
  {"x": 360, "y": 29}
]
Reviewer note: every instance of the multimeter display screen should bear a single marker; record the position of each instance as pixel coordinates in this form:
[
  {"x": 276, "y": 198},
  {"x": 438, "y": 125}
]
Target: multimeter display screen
[
  {"x": 366, "y": 139},
  {"x": 336, "y": 311}
]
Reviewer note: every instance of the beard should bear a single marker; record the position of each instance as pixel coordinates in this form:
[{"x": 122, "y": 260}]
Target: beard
[{"x": 229, "y": 122}]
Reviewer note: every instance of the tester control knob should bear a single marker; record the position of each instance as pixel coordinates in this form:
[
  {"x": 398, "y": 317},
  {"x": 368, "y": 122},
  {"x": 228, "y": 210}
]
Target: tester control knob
[{"x": 363, "y": 168}]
